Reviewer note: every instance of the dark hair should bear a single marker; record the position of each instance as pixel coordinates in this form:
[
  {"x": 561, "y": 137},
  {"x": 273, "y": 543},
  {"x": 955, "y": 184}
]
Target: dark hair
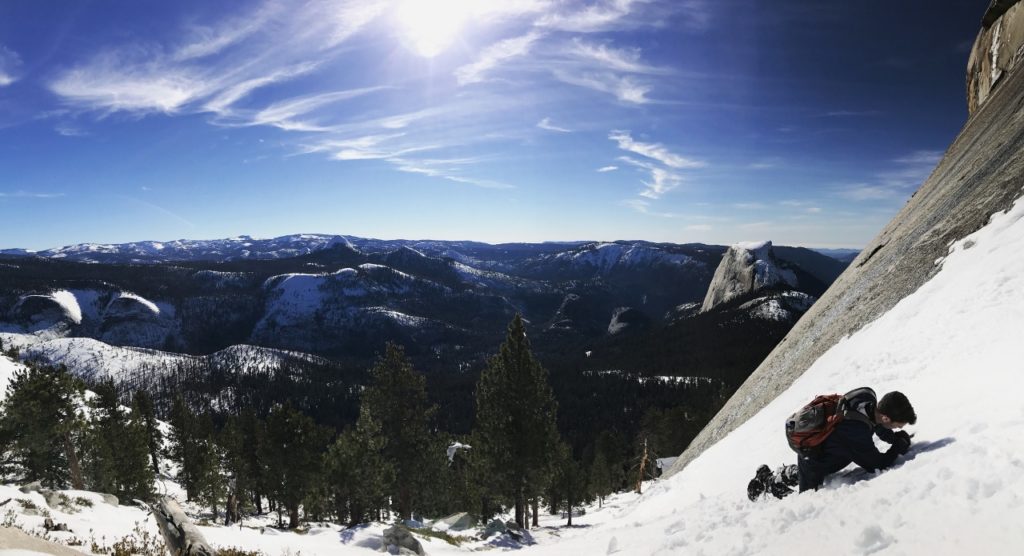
[{"x": 896, "y": 406}]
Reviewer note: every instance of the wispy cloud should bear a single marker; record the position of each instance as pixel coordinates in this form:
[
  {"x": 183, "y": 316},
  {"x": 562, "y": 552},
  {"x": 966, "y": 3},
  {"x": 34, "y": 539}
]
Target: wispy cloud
[
  {"x": 29, "y": 195},
  {"x": 70, "y": 131},
  {"x": 546, "y": 124},
  {"x": 765, "y": 164},
  {"x": 698, "y": 228},
  {"x": 661, "y": 181},
  {"x": 625, "y": 88},
  {"x": 10, "y": 63},
  {"x": 654, "y": 151},
  {"x": 227, "y": 97},
  {"x": 159, "y": 209},
  {"x": 494, "y": 55},
  {"x": 908, "y": 173},
  {"x": 112, "y": 83},
  {"x": 627, "y": 60},
  {"x": 851, "y": 113},
  {"x": 593, "y": 17},
  {"x": 607, "y": 168},
  {"x": 283, "y": 114},
  {"x": 444, "y": 169},
  {"x": 217, "y": 65}
]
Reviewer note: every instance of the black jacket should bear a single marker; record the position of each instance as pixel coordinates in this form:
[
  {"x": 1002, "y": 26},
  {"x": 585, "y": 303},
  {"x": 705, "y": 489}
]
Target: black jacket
[{"x": 851, "y": 442}]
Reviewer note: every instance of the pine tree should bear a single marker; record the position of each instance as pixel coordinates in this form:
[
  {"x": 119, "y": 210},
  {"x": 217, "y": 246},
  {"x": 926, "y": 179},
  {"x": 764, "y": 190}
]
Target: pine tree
[
  {"x": 243, "y": 441},
  {"x": 41, "y": 423},
  {"x": 397, "y": 400},
  {"x": 295, "y": 446},
  {"x": 515, "y": 421},
  {"x": 191, "y": 445},
  {"x": 357, "y": 472},
  {"x": 569, "y": 482},
  {"x": 117, "y": 448},
  {"x": 142, "y": 405},
  {"x": 600, "y": 478}
]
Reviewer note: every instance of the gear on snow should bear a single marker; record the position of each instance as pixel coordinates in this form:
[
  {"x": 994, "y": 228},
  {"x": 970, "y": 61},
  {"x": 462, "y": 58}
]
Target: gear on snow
[{"x": 779, "y": 483}]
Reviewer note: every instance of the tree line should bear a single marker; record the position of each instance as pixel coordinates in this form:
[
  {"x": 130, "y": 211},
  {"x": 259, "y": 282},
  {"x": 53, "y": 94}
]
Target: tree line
[{"x": 393, "y": 461}]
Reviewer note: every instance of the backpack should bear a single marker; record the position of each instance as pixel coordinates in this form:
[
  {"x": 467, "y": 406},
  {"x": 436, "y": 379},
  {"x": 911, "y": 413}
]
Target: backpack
[{"x": 808, "y": 427}]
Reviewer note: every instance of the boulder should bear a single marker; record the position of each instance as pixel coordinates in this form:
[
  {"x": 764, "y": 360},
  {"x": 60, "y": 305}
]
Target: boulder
[
  {"x": 458, "y": 522},
  {"x": 495, "y": 526},
  {"x": 31, "y": 487},
  {"x": 399, "y": 540}
]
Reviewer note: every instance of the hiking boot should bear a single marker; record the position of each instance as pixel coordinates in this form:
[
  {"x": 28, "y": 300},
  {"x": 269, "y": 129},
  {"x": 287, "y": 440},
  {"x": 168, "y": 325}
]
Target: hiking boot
[
  {"x": 759, "y": 485},
  {"x": 788, "y": 475}
]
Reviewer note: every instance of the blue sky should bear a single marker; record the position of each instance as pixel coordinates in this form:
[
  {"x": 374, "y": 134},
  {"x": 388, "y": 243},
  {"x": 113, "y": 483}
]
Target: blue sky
[{"x": 807, "y": 123}]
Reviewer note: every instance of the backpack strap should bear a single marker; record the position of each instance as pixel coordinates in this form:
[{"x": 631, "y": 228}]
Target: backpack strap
[{"x": 860, "y": 396}]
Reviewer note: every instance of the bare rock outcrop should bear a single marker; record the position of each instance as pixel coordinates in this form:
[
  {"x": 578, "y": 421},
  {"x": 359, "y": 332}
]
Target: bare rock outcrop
[{"x": 746, "y": 268}]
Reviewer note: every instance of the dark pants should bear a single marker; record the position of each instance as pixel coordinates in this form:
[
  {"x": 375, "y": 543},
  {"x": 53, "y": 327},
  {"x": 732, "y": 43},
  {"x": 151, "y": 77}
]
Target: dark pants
[{"x": 812, "y": 471}]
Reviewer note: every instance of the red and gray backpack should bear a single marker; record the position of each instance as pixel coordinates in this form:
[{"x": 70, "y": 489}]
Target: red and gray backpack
[{"x": 808, "y": 427}]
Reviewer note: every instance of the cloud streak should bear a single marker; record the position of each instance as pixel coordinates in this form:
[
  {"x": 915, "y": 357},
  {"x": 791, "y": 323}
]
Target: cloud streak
[
  {"x": 30, "y": 195},
  {"x": 547, "y": 125},
  {"x": 493, "y": 56},
  {"x": 909, "y": 172},
  {"x": 654, "y": 151},
  {"x": 10, "y": 63}
]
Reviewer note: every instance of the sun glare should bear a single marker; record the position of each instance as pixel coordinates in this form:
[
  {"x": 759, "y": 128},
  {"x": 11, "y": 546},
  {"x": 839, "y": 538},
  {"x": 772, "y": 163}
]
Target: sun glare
[{"x": 431, "y": 26}]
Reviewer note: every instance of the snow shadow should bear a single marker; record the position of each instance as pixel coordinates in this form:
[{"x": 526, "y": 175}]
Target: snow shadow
[
  {"x": 927, "y": 446},
  {"x": 348, "y": 535},
  {"x": 857, "y": 475}
]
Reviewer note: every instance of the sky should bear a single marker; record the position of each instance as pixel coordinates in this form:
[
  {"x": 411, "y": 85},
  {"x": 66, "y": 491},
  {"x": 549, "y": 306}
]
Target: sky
[{"x": 801, "y": 122}]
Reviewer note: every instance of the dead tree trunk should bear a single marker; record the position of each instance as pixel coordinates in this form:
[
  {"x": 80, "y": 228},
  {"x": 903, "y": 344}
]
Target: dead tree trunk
[
  {"x": 181, "y": 535},
  {"x": 73, "y": 467}
]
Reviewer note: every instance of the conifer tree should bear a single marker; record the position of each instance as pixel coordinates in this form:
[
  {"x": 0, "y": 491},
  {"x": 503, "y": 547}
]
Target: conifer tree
[
  {"x": 295, "y": 446},
  {"x": 41, "y": 423},
  {"x": 600, "y": 478},
  {"x": 142, "y": 405},
  {"x": 116, "y": 448},
  {"x": 243, "y": 441},
  {"x": 192, "y": 446},
  {"x": 357, "y": 472},
  {"x": 569, "y": 482},
  {"x": 397, "y": 400},
  {"x": 515, "y": 421}
]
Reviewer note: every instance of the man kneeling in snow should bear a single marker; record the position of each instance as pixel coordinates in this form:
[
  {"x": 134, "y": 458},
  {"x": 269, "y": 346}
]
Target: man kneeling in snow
[{"x": 841, "y": 430}]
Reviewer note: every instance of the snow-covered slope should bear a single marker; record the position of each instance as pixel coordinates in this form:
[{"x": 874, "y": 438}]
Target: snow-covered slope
[
  {"x": 94, "y": 360},
  {"x": 953, "y": 348}
]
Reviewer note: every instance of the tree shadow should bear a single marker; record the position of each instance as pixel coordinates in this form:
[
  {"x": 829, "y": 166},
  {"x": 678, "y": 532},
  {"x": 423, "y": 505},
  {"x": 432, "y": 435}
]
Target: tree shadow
[{"x": 348, "y": 534}]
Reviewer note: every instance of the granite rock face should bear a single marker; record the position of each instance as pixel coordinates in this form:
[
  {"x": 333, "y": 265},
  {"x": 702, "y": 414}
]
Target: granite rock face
[
  {"x": 981, "y": 173},
  {"x": 746, "y": 268},
  {"x": 998, "y": 49}
]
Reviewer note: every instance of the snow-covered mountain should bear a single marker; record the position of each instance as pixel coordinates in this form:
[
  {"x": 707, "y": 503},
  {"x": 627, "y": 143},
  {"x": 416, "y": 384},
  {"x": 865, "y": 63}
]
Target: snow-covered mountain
[{"x": 241, "y": 247}]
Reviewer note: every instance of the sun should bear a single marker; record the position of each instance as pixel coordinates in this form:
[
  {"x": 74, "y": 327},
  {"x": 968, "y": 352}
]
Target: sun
[{"x": 431, "y": 26}]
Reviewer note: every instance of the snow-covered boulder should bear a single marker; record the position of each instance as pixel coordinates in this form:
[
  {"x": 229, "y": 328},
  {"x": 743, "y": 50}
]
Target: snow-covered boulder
[{"x": 746, "y": 268}]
